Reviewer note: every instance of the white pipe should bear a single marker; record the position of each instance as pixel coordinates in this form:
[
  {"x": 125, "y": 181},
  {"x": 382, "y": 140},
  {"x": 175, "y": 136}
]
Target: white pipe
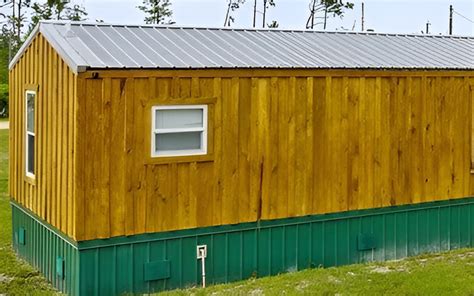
[
  {"x": 203, "y": 267},
  {"x": 202, "y": 254}
]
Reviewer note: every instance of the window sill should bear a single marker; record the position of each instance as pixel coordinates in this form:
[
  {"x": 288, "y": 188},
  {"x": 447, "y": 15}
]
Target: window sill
[
  {"x": 30, "y": 180},
  {"x": 180, "y": 159}
]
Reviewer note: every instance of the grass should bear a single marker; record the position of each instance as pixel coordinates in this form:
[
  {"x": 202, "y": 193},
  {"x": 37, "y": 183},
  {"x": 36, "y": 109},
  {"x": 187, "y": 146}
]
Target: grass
[
  {"x": 4, "y": 119},
  {"x": 450, "y": 273},
  {"x": 16, "y": 277}
]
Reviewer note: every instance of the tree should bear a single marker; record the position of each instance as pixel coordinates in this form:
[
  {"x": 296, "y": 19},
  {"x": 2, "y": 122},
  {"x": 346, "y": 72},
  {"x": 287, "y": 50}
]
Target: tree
[
  {"x": 157, "y": 11},
  {"x": 266, "y": 5},
  {"x": 273, "y": 24},
  {"x": 3, "y": 100},
  {"x": 4, "y": 55},
  {"x": 12, "y": 19},
  {"x": 326, "y": 8},
  {"x": 232, "y": 5},
  {"x": 56, "y": 10}
]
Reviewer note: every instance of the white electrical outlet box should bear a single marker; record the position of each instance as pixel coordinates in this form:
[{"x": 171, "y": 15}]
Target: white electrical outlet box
[{"x": 201, "y": 251}]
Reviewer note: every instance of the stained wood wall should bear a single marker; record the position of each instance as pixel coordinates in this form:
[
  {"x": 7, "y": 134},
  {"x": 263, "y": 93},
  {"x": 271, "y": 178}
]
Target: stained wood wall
[
  {"x": 283, "y": 144},
  {"x": 51, "y": 194}
]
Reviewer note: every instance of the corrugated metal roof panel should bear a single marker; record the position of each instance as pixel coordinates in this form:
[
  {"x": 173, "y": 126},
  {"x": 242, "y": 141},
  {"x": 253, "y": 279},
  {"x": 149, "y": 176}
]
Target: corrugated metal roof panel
[{"x": 97, "y": 45}]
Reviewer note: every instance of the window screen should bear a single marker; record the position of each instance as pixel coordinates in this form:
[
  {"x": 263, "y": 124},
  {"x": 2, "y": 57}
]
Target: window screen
[
  {"x": 30, "y": 133},
  {"x": 179, "y": 130}
]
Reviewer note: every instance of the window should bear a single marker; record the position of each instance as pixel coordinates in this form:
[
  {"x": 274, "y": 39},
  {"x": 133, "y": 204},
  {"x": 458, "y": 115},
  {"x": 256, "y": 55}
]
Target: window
[
  {"x": 179, "y": 130},
  {"x": 30, "y": 133},
  {"x": 471, "y": 88}
]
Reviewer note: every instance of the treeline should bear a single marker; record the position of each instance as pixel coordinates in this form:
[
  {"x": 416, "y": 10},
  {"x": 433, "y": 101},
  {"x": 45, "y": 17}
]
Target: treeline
[
  {"x": 19, "y": 17},
  {"x": 319, "y": 12}
]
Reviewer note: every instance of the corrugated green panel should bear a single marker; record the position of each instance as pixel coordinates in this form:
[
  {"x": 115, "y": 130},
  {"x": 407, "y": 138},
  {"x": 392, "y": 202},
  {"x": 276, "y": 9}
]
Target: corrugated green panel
[
  {"x": 388, "y": 236},
  {"x": 173, "y": 253},
  {"x": 464, "y": 229},
  {"x": 401, "y": 233},
  {"x": 291, "y": 243},
  {"x": 124, "y": 280},
  {"x": 155, "y": 270},
  {"x": 157, "y": 253},
  {"x": 471, "y": 223},
  {"x": 277, "y": 250},
  {"x": 366, "y": 226},
  {"x": 240, "y": 251},
  {"x": 304, "y": 245},
  {"x": 342, "y": 242},
  {"x": 249, "y": 251},
  {"x": 46, "y": 250},
  {"x": 329, "y": 243},
  {"x": 317, "y": 236},
  {"x": 412, "y": 233},
  {"x": 366, "y": 242},
  {"x": 354, "y": 230},
  {"x": 263, "y": 254},
  {"x": 189, "y": 260},
  {"x": 234, "y": 268},
  {"x": 129, "y": 264}
]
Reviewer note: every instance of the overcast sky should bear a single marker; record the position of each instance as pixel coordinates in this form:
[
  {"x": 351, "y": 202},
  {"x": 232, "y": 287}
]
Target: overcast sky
[{"x": 393, "y": 16}]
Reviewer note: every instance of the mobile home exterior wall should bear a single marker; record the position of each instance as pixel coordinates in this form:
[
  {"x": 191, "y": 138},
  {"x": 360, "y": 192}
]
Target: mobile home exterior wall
[
  {"x": 309, "y": 166},
  {"x": 282, "y": 144},
  {"x": 51, "y": 193}
]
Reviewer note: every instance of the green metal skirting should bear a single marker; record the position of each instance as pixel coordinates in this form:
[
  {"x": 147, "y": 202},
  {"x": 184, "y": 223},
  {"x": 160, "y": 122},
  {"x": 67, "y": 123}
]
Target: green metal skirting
[
  {"x": 160, "y": 261},
  {"x": 46, "y": 250}
]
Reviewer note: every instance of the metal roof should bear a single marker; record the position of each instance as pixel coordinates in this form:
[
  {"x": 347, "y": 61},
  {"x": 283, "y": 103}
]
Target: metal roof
[{"x": 101, "y": 46}]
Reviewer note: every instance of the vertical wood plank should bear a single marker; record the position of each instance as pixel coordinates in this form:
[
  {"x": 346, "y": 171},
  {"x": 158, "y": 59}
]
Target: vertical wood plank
[
  {"x": 291, "y": 148},
  {"x": 129, "y": 160},
  {"x": 217, "y": 186},
  {"x": 272, "y": 148},
  {"x": 283, "y": 143},
  {"x": 140, "y": 99},
  {"x": 230, "y": 138},
  {"x": 245, "y": 93}
]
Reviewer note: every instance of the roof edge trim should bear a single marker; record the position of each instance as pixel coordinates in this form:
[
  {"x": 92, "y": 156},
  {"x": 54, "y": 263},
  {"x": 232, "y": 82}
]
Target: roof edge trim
[
  {"x": 174, "y": 26},
  {"x": 63, "y": 53}
]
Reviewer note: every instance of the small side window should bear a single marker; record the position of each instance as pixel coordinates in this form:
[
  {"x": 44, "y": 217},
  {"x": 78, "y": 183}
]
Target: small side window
[
  {"x": 179, "y": 130},
  {"x": 30, "y": 133},
  {"x": 471, "y": 89}
]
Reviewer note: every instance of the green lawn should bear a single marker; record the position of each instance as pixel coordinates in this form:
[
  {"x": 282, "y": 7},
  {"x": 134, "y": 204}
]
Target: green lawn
[
  {"x": 4, "y": 118},
  {"x": 16, "y": 277},
  {"x": 449, "y": 273}
]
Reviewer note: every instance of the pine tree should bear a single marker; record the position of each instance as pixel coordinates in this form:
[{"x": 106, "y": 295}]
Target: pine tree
[
  {"x": 327, "y": 8},
  {"x": 157, "y": 11},
  {"x": 56, "y": 10},
  {"x": 232, "y": 5},
  {"x": 273, "y": 24},
  {"x": 266, "y": 5}
]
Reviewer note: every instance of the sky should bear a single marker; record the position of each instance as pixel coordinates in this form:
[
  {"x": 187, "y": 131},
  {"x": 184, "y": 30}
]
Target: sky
[{"x": 386, "y": 16}]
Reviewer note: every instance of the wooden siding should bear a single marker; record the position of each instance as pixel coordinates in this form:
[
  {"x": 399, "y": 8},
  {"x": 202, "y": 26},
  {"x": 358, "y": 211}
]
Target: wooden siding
[
  {"x": 51, "y": 194},
  {"x": 285, "y": 143}
]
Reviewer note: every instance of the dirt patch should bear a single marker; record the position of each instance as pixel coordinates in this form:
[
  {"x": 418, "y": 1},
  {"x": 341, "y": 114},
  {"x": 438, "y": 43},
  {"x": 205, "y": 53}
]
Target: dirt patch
[
  {"x": 381, "y": 269},
  {"x": 5, "y": 279},
  {"x": 334, "y": 280},
  {"x": 302, "y": 286},
  {"x": 256, "y": 292}
]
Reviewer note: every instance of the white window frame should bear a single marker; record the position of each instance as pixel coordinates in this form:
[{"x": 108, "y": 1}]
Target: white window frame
[
  {"x": 28, "y": 133},
  {"x": 172, "y": 153}
]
